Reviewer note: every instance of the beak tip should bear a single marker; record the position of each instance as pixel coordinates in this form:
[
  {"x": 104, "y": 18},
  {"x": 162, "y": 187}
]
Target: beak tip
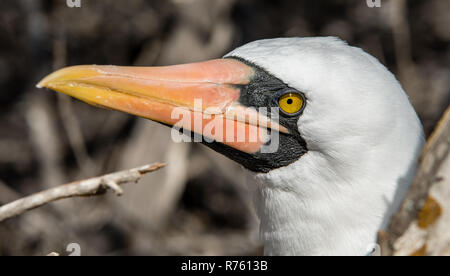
[
  {"x": 44, "y": 82},
  {"x": 40, "y": 85}
]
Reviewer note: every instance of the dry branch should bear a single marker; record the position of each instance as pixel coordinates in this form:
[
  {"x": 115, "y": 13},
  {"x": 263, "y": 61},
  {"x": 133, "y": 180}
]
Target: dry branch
[
  {"x": 421, "y": 225},
  {"x": 89, "y": 187}
]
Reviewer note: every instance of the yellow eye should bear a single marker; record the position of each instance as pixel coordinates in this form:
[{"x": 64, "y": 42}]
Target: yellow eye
[{"x": 291, "y": 103}]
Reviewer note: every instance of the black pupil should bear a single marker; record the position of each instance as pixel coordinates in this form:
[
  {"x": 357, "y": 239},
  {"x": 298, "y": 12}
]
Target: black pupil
[{"x": 290, "y": 101}]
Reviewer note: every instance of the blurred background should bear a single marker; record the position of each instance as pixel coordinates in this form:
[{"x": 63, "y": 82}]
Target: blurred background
[{"x": 199, "y": 204}]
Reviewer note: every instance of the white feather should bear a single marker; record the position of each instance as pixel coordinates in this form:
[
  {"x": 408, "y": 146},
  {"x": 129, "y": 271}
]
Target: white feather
[{"x": 363, "y": 137}]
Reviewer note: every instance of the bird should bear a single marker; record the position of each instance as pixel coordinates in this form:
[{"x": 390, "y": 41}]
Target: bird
[{"x": 347, "y": 138}]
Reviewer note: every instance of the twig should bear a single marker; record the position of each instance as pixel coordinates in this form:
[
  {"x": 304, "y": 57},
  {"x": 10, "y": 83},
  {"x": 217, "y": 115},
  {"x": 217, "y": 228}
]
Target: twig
[{"x": 89, "y": 187}]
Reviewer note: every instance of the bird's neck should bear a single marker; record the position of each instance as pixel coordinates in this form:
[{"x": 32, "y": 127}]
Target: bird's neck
[
  {"x": 312, "y": 208},
  {"x": 292, "y": 226}
]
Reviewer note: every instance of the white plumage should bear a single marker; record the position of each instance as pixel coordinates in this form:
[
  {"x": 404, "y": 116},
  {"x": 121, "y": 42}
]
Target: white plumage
[{"x": 363, "y": 137}]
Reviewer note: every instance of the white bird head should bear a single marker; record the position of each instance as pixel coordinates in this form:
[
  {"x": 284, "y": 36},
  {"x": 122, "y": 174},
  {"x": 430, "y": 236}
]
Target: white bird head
[
  {"x": 348, "y": 136},
  {"x": 363, "y": 139}
]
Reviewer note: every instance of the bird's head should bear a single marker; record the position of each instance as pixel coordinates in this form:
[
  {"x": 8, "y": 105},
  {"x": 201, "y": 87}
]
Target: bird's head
[{"x": 316, "y": 94}]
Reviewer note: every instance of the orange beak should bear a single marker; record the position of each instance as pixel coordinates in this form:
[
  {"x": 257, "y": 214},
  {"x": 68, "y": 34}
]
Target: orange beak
[{"x": 206, "y": 92}]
